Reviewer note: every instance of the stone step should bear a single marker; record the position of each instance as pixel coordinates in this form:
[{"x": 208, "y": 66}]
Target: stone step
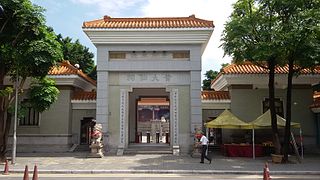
[
  {"x": 148, "y": 149},
  {"x": 147, "y": 152},
  {"x": 73, "y": 147},
  {"x": 82, "y": 147}
]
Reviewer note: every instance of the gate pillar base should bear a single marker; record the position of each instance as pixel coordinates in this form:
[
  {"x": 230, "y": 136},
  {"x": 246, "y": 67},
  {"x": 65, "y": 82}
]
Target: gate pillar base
[
  {"x": 120, "y": 151},
  {"x": 176, "y": 150}
]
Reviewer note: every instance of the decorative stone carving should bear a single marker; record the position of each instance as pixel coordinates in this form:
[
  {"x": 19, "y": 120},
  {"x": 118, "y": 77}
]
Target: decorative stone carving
[{"x": 96, "y": 141}]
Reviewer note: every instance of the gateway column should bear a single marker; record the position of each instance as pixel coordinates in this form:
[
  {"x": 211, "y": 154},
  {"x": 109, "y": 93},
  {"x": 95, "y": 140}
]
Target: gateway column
[
  {"x": 174, "y": 118},
  {"x": 195, "y": 90},
  {"x": 123, "y": 130},
  {"x": 195, "y": 101},
  {"x": 102, "y": 111},
  {"x": 102, "y": 114}
]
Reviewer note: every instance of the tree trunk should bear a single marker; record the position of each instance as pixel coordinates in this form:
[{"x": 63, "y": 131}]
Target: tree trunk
[
  {"x": 275, "y": 133},
  {"x": 4, "y": 136},
  {"x": 287, "y": 131},
  {"x": 4, "y": 121}
]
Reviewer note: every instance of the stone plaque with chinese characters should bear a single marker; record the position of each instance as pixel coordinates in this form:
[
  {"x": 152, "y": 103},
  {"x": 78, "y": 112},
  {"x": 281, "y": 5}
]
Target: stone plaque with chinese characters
[{"x": 155, "y": 78}]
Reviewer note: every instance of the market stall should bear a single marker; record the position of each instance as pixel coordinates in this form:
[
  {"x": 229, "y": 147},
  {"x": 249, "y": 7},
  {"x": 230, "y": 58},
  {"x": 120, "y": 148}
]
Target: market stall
[
  {"x": 227, "y": 120},
  {"x": 264, "y": 122},
  {"x": 242, "y": 150}
]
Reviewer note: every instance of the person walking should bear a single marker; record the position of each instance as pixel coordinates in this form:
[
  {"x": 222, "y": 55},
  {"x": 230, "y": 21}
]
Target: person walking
[{"x": 204, "y": 143}]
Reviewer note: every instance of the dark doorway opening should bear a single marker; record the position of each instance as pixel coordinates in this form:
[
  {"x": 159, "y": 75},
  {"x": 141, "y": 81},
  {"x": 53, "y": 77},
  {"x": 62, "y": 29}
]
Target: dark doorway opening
[{"x": 85, "y": 130}]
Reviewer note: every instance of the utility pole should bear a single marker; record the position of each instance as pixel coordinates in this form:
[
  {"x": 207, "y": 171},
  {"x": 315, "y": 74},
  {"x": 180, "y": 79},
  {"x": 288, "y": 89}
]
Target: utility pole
[{"x": 14, "y": 143}]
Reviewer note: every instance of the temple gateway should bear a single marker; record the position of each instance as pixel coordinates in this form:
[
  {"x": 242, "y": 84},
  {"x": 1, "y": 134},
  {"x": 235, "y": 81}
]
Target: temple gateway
[{"x": 149, "y": 80}]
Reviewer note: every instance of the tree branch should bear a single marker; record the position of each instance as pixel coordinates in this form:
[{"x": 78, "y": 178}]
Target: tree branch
[
  {"x": 14, "y": 42},
  {"x": 19, "y": 88},
  {"x": 4, "y": 24}
]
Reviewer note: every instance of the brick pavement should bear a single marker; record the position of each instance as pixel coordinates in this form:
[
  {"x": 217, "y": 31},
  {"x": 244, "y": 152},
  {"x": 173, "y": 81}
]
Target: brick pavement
[{"x": 79, "y": 163}]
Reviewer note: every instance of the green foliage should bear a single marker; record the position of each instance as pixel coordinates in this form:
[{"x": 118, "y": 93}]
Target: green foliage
[
  {"x": 22, "y": 109},
  {"x": 299, "y": 22},
  {"x": 26, "y": 43},
  {"x": 223, "y": 65},
  {"x": 6, "y": 92},
  {"x": 251, "y": 32},
  {"x": 28, "y": 48},
  {"x": 42, "y": 94},
  {"x": 76, "y": 53},
  {"x": 210, "y": 75},
  {"x": 259, "y": 30},
  {"x": 93, "y": 73}
]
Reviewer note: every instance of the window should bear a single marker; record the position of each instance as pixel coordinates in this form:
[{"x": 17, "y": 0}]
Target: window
[
  {"x": 181, "y": 55},
  {"x": 117, "y": 55},
  {"x": 31, "y": 117},
  {"x": 278, "y": 104}
]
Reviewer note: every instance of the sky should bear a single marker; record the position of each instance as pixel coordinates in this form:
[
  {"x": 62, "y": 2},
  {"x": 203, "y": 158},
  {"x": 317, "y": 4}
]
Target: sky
[{"x": 67, "y": 16}]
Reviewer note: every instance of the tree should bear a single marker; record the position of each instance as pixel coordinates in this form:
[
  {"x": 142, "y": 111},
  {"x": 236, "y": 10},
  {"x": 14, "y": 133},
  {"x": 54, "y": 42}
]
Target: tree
[
  {"x": 279, "y": 31},
  {"x": 27, "y": 49},
  {"x": 223, "y": 65},
  {"x": 76, "y": 53},
  {"x": 210, "y": 75},
  {"x": 93, "y": 73},
  {"x": 251, "y": 34},
  {"x": 42, "y": 93},
  {"x": 299, "y": 26}
]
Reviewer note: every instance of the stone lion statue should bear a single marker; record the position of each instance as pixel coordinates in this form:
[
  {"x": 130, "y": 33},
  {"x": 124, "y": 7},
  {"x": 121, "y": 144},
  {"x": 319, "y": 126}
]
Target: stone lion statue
[{"x": 96, "y": 135}]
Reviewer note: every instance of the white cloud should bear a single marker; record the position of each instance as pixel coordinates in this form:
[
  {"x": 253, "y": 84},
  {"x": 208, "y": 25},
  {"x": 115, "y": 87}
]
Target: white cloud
[
  {"x": 110, "y": 7},
  {"x": 55, "y": 6},
  {"x": 216, "y": 10},
  {"x": 86, "y": 1}
]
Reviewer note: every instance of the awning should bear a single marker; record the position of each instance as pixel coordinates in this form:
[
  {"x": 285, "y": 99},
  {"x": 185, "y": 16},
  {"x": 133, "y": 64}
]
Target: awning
[
  {"x": 228, "y": 120},
  {"x": 264, "y": 121}
]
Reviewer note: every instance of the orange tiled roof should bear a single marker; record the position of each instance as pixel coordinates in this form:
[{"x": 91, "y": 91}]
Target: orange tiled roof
[
  {"x": 149, "y": 23},
  {"x": 153, "y": 101},
  {"x": 249, "y": 68},
  {"x": 65, "y": 68},
  {"x": 215, "y": 95},
  {"x": 84, "y": 95},
  {"x": 316, "y": 100},
  {"x": 316, "y": 95},
  {"x": 205, "y": 95}
]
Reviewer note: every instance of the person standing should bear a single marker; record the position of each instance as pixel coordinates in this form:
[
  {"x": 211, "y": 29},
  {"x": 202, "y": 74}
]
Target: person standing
[{"x": 204, "y": 146}]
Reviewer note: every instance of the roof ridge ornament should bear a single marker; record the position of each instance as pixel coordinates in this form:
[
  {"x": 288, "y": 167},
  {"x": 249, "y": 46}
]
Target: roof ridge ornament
[{"x": 106, "y": 18}]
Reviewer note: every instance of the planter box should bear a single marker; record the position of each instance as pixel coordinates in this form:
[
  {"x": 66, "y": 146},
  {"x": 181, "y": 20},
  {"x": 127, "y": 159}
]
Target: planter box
[{"x": 276, "y": 158}]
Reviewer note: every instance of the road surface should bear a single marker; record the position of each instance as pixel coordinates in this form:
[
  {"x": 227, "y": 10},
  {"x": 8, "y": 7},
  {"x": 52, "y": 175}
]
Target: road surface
[{"x": 157, "y": 177}]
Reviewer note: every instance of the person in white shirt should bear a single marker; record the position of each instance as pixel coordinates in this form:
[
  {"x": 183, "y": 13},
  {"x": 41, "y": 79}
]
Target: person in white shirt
[{"x": 204, "y": 143}]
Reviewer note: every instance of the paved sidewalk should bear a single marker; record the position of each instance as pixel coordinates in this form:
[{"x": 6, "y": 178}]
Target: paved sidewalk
[{"x": 79, "y": 163}]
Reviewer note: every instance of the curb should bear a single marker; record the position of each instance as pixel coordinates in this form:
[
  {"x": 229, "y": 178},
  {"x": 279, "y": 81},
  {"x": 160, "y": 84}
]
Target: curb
[{"x": 168, "y": 172}]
